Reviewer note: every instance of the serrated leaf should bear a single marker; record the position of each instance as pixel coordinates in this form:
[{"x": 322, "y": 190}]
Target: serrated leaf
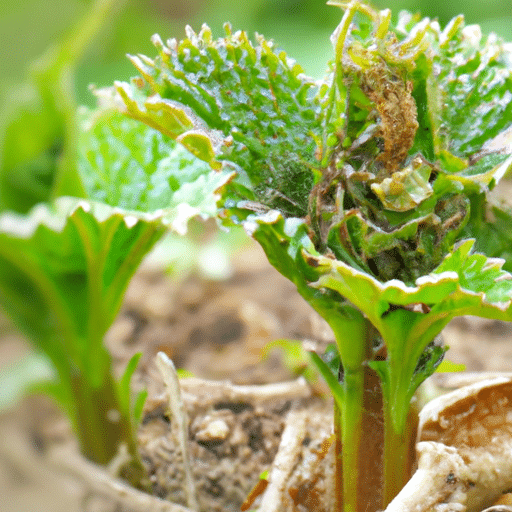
[
  {"x": 64, "y": 270},
  {"x": 462, "y": 282},
  {"x": 252, "y": 105},
  {"x": 373, "y": 297},
  {"x": 479, "y": 275},
  {"x": 126, "y": 164},
  {"x": 472, "y": 84}
]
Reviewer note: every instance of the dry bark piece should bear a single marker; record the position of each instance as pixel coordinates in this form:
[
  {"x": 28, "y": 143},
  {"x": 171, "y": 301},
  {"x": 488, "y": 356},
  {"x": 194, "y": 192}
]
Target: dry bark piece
[
  {"x": 445, "y": 382},
  {"x": 286, "y": 458},
  {"x": 505, "y": 500},
  {"x": 464, "y": 451},
  {"x": 177, "y": 407},
  {"x": 302, "y": 476},
  {"x": 212, "y": 392}
]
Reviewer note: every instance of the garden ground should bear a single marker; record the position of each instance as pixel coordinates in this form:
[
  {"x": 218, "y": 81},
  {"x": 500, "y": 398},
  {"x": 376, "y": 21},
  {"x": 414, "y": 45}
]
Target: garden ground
[{"x": 216, "y": 330}]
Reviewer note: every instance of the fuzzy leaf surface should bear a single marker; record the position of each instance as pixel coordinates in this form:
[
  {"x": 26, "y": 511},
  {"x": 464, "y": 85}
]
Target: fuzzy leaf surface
[
  {"x": 253, "y": 104},
  {"x": 473, "y": 85},
  {"x": 124, "y": 163}
]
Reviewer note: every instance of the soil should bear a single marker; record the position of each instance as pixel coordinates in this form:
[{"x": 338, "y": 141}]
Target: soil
[{"x": 216, "y": 330}]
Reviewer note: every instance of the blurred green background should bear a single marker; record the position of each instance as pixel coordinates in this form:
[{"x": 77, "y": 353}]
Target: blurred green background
[{"x": 301, "y": 27}]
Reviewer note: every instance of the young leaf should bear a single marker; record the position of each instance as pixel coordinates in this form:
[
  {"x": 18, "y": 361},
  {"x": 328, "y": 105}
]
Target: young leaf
[
  {"x": 126, "y": 164},
  {"x": 295, "y": 357},
  {"x": 251, "y": 105},
  {"x": 331, "y": 379},
  {"x": 125, "y": 382},
  {"x": 64, "y": 272},
  {"x": 406, "y": 189},
  {"x": 138, "y": 407}
]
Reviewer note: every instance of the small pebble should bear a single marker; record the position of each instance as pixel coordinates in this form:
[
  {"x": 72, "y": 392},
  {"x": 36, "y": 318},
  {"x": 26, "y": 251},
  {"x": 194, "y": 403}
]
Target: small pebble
[{"x": 216, "y": 430}]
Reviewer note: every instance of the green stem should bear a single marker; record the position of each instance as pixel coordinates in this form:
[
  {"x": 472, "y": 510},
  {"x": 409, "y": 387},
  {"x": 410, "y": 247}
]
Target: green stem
[
  {"x": 362, "y": 489},
  {"x": 98, "y": 423},
  {"x": 398, "y": 453},
  {"x": 358, "y": 421},
  {"x": 102, "y": 427},
  {"x": 351, "y": 422},
  {"x": 395, "y": 451}
]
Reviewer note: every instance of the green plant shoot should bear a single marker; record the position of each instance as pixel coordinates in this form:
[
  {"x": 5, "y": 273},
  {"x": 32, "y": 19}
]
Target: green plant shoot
[
  {"x": 64, "y": 268},
  {"x": 65, "y": 264},
  {"x": 366, "y": 189}
]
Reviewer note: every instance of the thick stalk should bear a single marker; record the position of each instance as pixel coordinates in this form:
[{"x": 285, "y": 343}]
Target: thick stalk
[
  {"x": 371, "y": 455},
  {"x": 351, "y": 423},
  {"x": 99, "y": 424},
  {"x": 358, "y": 422},
  {"x": 400, "y": 424},
  {"x": 102, "y": 428},
  {"x": 362, "y": 489},
  {"x": 399, "y": 451},
  {"x": 338, "y": 447}
]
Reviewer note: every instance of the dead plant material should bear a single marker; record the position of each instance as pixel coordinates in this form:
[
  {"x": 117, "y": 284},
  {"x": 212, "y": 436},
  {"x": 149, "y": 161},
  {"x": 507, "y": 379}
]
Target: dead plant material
[
  {"x": 284, "y": 463},
  {"x": 397, "y": 110},
  {"x": 257, "y": 490},
  {"x": 213, "y": 391},
  {"x": 179, "y": 413},
  {"x": 464, "y": 451}
]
